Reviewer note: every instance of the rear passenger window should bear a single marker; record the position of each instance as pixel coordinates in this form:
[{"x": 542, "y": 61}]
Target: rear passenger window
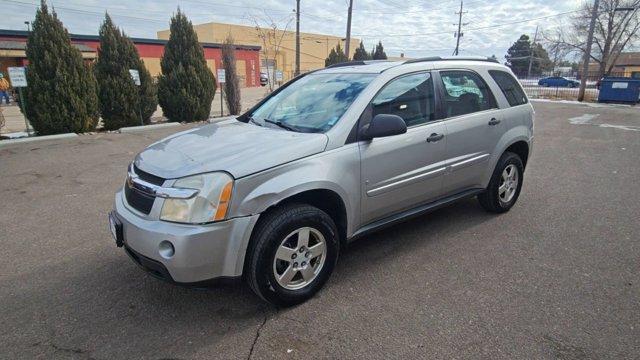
[
  {"x": 465, "y": 93},
  {"x": 510, "y": 87},
  {"x": 410, "y": 97}
]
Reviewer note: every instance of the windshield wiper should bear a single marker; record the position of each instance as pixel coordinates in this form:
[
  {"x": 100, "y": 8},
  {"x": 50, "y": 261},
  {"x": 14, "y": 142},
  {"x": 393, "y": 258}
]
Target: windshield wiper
[
  {"x": 281, "y": 124},
  {"x": 252, "y": 120}
]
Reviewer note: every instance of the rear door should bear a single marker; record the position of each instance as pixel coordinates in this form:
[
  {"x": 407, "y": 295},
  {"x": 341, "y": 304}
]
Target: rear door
[
  {"x": 402, "y": 171},
  {"x": 474, "y": 126}
]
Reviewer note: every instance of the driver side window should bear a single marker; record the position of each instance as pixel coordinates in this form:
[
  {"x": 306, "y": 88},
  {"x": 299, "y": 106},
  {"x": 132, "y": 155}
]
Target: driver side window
[{"x": 410, "y": 97}]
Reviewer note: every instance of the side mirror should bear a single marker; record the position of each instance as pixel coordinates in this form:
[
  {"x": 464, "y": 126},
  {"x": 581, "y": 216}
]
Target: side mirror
[{"x": 384, "y": 125}]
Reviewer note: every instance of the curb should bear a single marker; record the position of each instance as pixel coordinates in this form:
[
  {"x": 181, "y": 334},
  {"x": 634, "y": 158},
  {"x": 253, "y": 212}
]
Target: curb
[
  {"x": 589, "y": 104},
  {"x": 129, "y": 129},
  {"x": 37, "y": 138},
  {"x": 147, "y": 127}
]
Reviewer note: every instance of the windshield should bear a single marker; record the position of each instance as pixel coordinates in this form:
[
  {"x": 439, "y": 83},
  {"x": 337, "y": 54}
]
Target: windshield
[{"x": 313, "y": 103}]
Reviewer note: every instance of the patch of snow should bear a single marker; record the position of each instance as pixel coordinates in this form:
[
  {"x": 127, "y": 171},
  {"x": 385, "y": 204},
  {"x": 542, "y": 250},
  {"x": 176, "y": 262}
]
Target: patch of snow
[
  {"x": 590, "y": 104},
  {"x": 583, "y": 119},
  {"x": 621, "y": 127}
]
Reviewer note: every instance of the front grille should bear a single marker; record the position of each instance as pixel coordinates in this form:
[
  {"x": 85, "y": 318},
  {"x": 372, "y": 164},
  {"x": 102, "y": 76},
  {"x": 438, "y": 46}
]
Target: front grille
[
  {"x": 155, "y": 180},
  {"x": 138, "y": 200}
]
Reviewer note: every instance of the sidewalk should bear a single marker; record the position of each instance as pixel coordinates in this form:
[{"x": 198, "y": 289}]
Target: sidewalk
[{"x": 250, "y": 96}]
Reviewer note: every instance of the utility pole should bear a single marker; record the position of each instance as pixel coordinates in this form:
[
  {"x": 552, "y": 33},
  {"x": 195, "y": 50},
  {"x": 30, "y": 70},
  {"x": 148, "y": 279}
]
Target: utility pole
[
  {"x": 297, "y": 72},
  {"x": 587, "y": 53},
  {"x": 346, "y": 45},
  {"x": 533, "y": 44},
  {"x": 459, "y": 33}
]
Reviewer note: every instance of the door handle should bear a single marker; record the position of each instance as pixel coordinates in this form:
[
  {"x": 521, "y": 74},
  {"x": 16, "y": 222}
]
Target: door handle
[
  {"x": 494, "y": 121},
  {"x": 435, "y": 137}
]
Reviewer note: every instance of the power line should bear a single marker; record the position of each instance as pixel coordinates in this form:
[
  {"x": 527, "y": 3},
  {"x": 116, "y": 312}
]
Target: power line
[
  {"x": 470, "y": 29},
  {"x": 306, "y": 36},
  {"x": 83, "y": 11},
  {"x": 101, "y": 13},
  {"x": 418, "y": 10}
]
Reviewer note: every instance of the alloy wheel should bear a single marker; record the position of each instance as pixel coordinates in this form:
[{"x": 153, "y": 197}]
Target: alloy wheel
[
  {"x": 299, "y": 258},
  {"x": 508, "y": 183}
]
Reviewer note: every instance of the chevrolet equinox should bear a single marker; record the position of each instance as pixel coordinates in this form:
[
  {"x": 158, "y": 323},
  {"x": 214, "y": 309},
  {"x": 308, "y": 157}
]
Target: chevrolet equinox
[{"x": 272, "y": 196}]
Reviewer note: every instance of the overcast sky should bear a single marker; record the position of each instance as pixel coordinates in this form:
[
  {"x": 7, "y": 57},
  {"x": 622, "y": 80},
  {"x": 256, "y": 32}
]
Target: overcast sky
[{"x": 414, "y": 27}]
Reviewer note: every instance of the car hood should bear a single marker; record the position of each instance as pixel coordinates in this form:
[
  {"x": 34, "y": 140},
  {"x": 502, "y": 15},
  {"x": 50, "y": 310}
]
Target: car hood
[{"x": 232, "y": 146}]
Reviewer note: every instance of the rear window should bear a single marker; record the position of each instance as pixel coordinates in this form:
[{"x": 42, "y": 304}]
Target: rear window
[{"x": 510, "y": 87}]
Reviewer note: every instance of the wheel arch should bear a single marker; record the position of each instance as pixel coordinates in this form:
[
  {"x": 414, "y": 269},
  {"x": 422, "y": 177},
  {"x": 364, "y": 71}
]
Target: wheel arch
[
  {"x": 515, "y": 140},
  {"x": 324, "y": 199},
  {"x": 520, "y": 148}
]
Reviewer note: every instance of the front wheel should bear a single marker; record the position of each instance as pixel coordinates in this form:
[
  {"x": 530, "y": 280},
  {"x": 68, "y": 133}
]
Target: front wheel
[
  {"x": 505, "y": 184},
  {"x": 294, "y": 251}
]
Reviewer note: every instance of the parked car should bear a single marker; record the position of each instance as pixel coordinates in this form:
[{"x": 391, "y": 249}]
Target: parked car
[
  {"x": 273, "y": 195},
  {"x": 264, "y": 79},
  {"x": 558, "y": 81}
]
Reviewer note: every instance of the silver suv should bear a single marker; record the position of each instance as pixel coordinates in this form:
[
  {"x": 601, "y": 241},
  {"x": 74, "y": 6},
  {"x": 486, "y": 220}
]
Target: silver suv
[{"x": 273, "y": 195}]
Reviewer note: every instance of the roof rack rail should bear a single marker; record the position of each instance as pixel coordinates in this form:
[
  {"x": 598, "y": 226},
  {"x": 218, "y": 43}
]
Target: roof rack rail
[
  {"x": 355, "y": 63},
  {"x": 454, "y": 58}
]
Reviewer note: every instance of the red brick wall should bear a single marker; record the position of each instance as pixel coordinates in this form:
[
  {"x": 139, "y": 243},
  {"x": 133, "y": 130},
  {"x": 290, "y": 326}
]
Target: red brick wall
[{"x": 250, "y": 57}]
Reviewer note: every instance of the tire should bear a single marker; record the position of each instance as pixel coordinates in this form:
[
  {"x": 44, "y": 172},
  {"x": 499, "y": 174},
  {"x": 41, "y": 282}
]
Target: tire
[
  {"x": 493, "y": 199},
  {"x": 279, "y": 233}
]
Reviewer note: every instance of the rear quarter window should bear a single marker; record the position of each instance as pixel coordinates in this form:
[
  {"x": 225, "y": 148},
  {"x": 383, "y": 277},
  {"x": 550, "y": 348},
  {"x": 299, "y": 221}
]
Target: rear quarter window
[{"x": 510, "y": 87}]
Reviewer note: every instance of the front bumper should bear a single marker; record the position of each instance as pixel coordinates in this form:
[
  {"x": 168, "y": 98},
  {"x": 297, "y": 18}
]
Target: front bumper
[{"x": 202, "y": 252}]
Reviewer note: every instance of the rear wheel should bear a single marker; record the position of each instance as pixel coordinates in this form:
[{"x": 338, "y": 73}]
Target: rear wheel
[
  {"x": 294, "y": 251},
  {"x": 505, "y": 184}
]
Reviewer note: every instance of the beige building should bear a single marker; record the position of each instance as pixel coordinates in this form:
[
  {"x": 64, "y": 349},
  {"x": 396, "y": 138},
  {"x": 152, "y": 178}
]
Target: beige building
[
  {"x": 278, "y": 47},
  {"x": 627, "y": 65}
]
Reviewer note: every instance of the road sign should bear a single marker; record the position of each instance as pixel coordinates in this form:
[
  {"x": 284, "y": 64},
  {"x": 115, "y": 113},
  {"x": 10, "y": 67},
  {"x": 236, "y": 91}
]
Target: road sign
[
  {"x": 278, "y": 75},
  {"x": 221, "y": 76},
  {"x": 135, "y": 75},
  {"x": 17, "y": 76}
]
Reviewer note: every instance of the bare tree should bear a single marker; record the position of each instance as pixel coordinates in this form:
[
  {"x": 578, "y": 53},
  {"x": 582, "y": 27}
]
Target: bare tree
[
  {"x": 617, "y": 26},
  {"x": 271, "y": 32},
  {"x": 232, "y": 83}
]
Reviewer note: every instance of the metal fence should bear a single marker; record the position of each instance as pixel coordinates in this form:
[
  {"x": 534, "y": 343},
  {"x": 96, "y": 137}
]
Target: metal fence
[{"x": 562, "y": 88}]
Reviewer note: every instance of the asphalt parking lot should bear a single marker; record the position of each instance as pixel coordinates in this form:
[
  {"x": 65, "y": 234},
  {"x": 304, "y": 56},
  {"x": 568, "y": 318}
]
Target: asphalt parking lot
[{"x": 556, "y": 277}]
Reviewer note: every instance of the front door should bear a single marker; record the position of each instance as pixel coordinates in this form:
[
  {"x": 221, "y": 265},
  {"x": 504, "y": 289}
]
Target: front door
[{"x": 402, "y": 171}]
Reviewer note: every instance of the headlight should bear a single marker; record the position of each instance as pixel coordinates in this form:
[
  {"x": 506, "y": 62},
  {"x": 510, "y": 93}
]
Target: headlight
[{"x": 210, "y": 204}]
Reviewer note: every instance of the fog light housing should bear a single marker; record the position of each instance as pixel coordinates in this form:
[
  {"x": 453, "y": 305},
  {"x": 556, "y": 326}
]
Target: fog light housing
[{"x": 166, "y": 249}]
